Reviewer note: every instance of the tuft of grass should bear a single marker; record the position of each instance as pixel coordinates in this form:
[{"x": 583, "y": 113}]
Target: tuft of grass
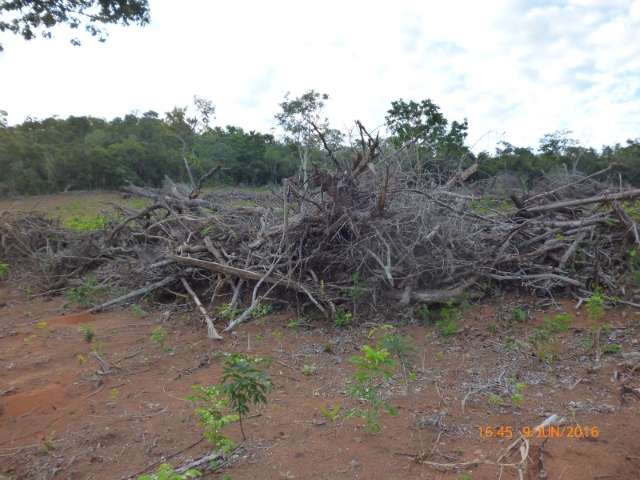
[
  {"x": 424, "y": 314},
  {"x": 87, "y": 333},
  {"x": 47, "y": 444},
  {"x": 167, "y": 472},
  {"x": 295, "y": 324},
  {"x": 88, "y": 293},
  {"x": 4, "y": 270},
  {"x": 543, "y": 339},
  {"x": 447, "y": 327},
  {"x": 331, "y": 413},
  {"x": 612, "y": 348},
  {"x": 309, "y": 370},
  {"x": 86, "y": 224},
  {"x": 138, "y": 203},
  {"x": 558, "y": 324},
  {"x": 520, "y": 315},
  {"x": 138, "y": 311}
]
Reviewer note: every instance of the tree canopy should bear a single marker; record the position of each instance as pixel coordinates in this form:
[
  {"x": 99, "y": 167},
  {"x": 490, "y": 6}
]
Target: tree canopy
[
  {"x": 82, "y": 153},
  {"x": 30, "y": 17}
]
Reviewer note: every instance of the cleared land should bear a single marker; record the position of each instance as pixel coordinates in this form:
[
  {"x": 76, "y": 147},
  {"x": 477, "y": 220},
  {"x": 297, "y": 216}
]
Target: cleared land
[{"x": 61, "y": 418}]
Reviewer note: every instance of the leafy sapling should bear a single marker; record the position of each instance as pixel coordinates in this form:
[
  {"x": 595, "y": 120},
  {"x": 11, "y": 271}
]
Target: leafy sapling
[
  {"x": 373, "y": 365},
  {"x": 244, "y": 384},
  {"x": 399, "y": 346},
  {"x": 211, "y": 406},
  {"x": 517, "y": 397},
  {"x": 595, "y": 309},
  {"x": 159, "y": 337}
]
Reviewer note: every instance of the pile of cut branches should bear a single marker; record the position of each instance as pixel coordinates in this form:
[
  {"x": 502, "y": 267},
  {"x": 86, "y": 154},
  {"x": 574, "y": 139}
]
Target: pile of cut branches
[{"x": 368, "y": 228}]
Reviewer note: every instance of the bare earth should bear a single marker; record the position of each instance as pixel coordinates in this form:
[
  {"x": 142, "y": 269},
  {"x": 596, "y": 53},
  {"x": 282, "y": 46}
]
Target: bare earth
[{"x": 60, "y": 419}]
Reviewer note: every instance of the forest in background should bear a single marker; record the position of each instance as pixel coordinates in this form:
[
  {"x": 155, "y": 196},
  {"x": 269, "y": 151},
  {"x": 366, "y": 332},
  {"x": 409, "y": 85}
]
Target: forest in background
[{"x": 88, "y": 153}]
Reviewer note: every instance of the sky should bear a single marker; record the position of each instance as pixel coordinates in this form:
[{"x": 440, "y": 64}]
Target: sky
[{"x": 516, "y": 69}]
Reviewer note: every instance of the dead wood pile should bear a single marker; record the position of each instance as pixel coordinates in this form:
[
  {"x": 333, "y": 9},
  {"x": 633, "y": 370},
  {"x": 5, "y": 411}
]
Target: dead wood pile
[{"x": 370, "y": 231}]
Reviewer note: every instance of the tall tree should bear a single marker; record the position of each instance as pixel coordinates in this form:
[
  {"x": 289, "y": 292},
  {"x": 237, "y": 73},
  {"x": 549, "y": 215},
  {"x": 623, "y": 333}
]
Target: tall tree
[
  {"x": 30, "y": 17},
  {"x": 423, "y": 124},
  {"x": 302, "y": 118}
]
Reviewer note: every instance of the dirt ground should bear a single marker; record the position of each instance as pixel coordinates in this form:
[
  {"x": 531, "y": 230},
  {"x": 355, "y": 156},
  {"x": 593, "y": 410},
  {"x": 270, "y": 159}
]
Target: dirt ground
[{"x": 59, "y": 419}]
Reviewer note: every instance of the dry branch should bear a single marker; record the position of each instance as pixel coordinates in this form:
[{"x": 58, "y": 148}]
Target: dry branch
[
  {"x": 373, "y": 227},
  {"x": 211, "y": 330}
]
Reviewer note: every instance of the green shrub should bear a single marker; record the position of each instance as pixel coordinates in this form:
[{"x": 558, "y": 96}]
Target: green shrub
[
  {"x": 228, "y": 312},
  {"x": 262, "y": 310},
  {"x": 342, "y": 318}
]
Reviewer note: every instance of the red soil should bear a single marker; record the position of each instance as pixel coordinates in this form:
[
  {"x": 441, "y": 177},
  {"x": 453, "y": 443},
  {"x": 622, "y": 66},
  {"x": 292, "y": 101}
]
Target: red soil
[{"x": 60, "y": 419}]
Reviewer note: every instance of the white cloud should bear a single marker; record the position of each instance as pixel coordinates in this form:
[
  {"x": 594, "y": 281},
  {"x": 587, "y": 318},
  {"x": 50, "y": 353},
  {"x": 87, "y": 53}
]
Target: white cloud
[{"x": 522, "y": 68}]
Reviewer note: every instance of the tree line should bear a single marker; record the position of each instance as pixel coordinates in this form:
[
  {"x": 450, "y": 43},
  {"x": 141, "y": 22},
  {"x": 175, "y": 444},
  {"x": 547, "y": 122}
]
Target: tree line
[{"x": 86, "y": 153}]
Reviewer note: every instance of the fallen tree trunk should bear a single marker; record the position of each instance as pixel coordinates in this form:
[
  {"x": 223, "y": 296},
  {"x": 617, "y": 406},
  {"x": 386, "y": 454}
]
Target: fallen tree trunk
[
  {"x": 610, "y": 197},
  {"x": 134, "y": 294}
]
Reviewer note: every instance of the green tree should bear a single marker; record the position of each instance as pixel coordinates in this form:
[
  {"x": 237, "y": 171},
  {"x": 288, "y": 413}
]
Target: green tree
[
  {"x": 302, "y": 119},
  {"x": 423, "y": 126},
  {"x": 28, "y": 17}
]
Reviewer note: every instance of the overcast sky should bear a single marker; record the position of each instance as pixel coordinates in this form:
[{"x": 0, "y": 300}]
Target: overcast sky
[{"x": 516, "y": 69}]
